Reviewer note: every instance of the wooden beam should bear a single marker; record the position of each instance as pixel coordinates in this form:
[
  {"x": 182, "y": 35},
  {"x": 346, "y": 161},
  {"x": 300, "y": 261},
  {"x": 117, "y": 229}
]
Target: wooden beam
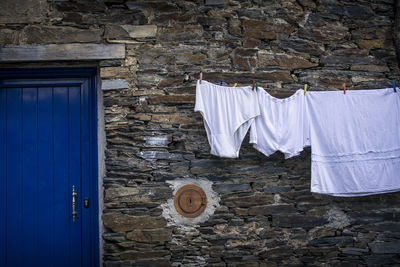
[{"x": 60, "y": 52}]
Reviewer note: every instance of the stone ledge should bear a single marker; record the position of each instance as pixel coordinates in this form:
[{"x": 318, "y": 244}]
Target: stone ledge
[{"x": 54, "y": 52}]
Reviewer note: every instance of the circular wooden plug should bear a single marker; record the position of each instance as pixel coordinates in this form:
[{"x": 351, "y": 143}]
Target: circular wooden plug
[{"x": 190, "y": 201}]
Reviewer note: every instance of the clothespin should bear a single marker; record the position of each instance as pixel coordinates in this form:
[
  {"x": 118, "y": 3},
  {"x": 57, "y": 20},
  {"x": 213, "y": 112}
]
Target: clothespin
[
  {"x": 201, "y": 77},
  {"x": 235, "y": 85},
  {"x": 254, "y": 84},
  {"x": 394, "y": 86},
  {"x": 305, "y": 89},
  {"x": 344, "y": 88},
  {"x": 221, "y": 83}
]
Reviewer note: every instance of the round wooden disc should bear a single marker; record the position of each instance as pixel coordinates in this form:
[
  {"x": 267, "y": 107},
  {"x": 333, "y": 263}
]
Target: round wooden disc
[{"x": 190, "y": 201}]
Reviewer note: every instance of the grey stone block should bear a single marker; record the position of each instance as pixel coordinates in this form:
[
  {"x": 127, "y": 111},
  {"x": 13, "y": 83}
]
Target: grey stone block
[
  {"x": 114, "y": 84},
  {"x": 385, "y": 247},
  {"x": 215, "y": 2}
]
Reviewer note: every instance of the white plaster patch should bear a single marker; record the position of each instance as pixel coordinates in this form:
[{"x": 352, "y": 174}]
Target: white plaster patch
[
  {"x": 337, "y": 218},
  {"x": 174, "y": 218}
]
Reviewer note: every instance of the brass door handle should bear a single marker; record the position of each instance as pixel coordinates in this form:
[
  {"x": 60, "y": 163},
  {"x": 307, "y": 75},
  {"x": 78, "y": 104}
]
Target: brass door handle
[{"x": 74, "y": 194}]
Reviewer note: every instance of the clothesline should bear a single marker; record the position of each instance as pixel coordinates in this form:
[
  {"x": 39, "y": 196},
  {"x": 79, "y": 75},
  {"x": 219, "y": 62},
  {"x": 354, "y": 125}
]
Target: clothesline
[
  {"x": 352, "y": 155},
  {"x": 255, "y": 85}
]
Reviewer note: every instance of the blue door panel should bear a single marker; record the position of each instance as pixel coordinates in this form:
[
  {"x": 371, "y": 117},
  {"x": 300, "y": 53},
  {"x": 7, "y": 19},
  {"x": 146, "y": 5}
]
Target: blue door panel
[
  {"x": 3, "y": 173},
  {"x": 74, "y": 158},
  {"x": 45, "y": 173},
  {"x": 29, "y": 175},
  {"x": 46, "y": 148},
  {"x": 14, "y": 177},
  {"x": 62, "y": 186}
]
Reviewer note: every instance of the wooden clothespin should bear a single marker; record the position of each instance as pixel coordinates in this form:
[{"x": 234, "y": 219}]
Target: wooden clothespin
[
  {"x": 201, "y": 77},
  {"x": 305, "y": 89},
  {"x": 394, "y": 86},
  {"x": 344, "y": 88},
  {"x": 221, "y": 83},
  {"x": 254, "y": 84},
  {"x": 235, "y": 85}
]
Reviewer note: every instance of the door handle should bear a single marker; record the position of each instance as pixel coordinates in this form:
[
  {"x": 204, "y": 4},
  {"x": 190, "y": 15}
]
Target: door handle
[{"x": 74, "y": 194}]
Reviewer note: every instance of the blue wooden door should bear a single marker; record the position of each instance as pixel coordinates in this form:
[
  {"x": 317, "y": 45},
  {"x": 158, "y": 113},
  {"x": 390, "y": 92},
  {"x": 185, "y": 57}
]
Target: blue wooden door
[{"x": 44, "y": 159}]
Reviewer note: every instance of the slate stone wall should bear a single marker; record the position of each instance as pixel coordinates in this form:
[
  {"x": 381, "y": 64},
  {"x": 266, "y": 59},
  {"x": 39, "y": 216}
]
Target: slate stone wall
[{"x": 267, "y": 215}]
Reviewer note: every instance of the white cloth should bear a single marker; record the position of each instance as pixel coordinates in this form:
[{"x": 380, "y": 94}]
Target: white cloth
[
  {"x": 228, "y": 113},
  {"x": 281, "y": 126},
  {"x": 355, "y": 141}
]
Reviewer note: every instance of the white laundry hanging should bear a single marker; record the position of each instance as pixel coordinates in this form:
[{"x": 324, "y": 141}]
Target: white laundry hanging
[
  {"x": 354, "y": 137},
  {"x": 228, "y": 113},
  {"x": 355, "y": 141},
  {"x": 281, "y": 126}
]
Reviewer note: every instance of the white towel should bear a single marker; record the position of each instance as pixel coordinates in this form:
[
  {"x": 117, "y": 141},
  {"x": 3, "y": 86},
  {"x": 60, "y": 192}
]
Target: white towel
[{"x": 355, "y": 141}]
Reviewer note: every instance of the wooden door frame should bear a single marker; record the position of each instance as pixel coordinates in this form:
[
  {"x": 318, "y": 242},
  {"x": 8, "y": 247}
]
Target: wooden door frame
[{"x": 90, "y": 229}]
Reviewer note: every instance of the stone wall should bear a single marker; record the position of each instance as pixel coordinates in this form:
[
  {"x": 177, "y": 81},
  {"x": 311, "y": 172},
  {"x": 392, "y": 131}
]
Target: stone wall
[{"x": 266, "y": 215}]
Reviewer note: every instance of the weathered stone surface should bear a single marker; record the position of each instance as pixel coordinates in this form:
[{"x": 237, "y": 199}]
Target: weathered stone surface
[
  {"x": 8, "y": 36},
  {"x": 329, "y": 241},
  {"x": 372, "y": 44},
  {"x": 370, "y": 68},
  {"x": 114, "y": 84},
  {"x": 234, "y": 26},
  {"x": 171, "y": 82},
  {"x": 277, "y": 189},
  {"x": 272, "y": 209},
  {"x": 114, "y": 72},
  {"x": 347, "y": 57},
  {"x": 245, "y": 202},
  {"x": 117, "y": 192},
  {"x": 24, "y": 53},
  {"x": 110, "y": 16},
  {"x": 396, "y": 30},
  {"x": 243, "y": 63},
  {"x": 229, "y": 188},
  {"x": 171, "y": 118},
  {"x": 385, "y": 247},
  {"x": 378, "y": 260},
  {"x": 297, "y": 221},
  {"x": 134, "y": 255},
  {"x": 185, "y": 33},
  {"x": 23, "y": 11},
  {"x": 355, "y": 251},
  {"x": 284, "y": 61},
  {"x": 277, "y": 29},
  {"x": 118, "y": 222},
  {"x": 215, "y": 2},
  {"x": 115, "y": 32},
  {"x": 330, "y": 32},
  {"x": 150, "y": 236},
  {"x": 82, "y": 6},
  {"x": 141, "y": 31},
  {"x": 352, "y": 11},
  {"x": 132, "y": 196},
  {"x": 50, "y": 35},
  {"x": 172, "y": 99},
  {"x": 299, "y": 46}
]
